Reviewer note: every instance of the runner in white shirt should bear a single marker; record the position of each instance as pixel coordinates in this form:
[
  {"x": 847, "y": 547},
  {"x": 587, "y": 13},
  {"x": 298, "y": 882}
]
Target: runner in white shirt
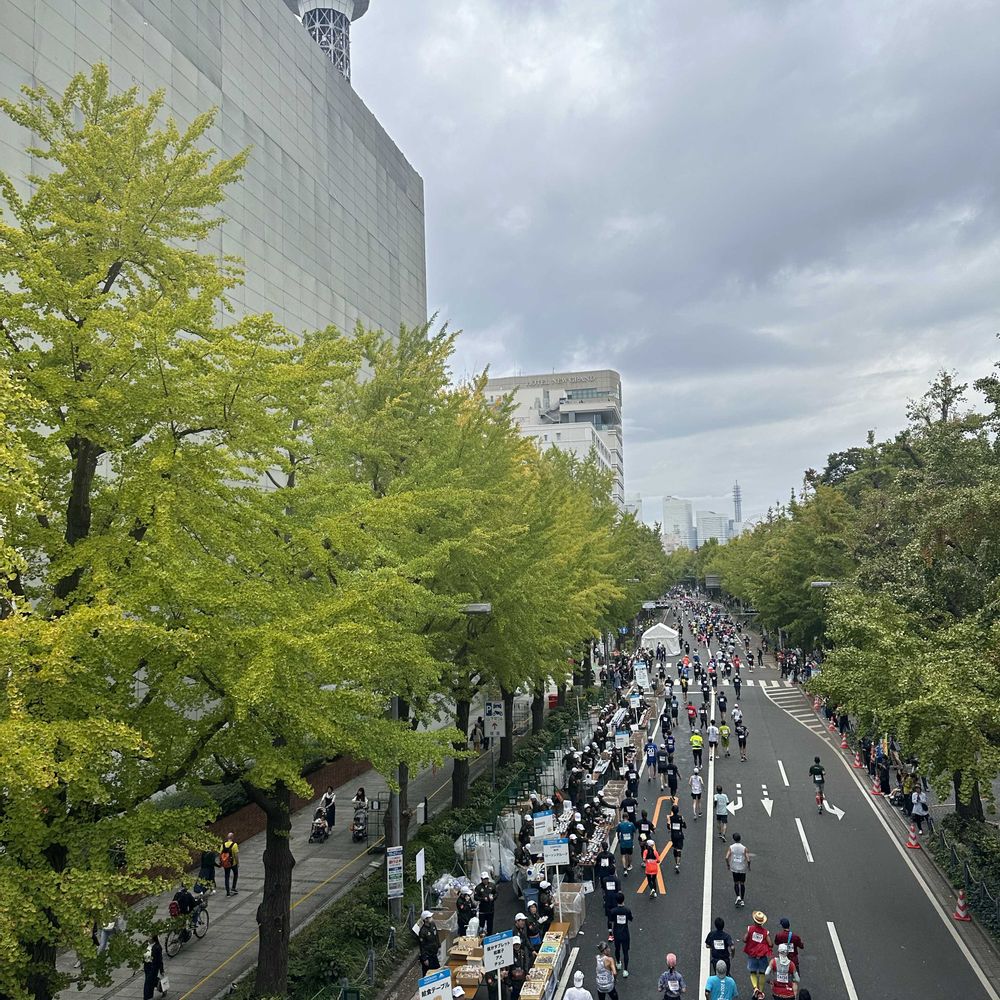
[
  {"x": 697, "y": 786},
  {"x": 738, "y": 862},
  {"x": 713, "y": 739},
  {"x": 721, "y": 810},
  {"x": 737, "y": 713},
  {"x": 576, "y": 991}
]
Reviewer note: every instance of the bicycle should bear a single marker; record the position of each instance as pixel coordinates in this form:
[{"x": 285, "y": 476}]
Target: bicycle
[{"x": 197, "y": 922}]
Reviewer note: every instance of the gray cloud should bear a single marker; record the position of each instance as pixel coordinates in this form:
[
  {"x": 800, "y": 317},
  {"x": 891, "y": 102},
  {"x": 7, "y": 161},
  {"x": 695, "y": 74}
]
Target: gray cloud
[{"x": 777, "y": 220}]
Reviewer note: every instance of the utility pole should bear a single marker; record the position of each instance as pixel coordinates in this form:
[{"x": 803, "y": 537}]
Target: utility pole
[{"x": 395, "y": 905}]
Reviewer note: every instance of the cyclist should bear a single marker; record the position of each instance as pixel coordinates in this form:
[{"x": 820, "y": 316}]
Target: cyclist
[
  {"x": 818, "y": 774},
  {"x": 187, "y": 906}
]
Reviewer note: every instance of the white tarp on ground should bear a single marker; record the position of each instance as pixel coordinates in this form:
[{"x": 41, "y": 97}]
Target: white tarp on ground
[{"x": 665, "y": 634}]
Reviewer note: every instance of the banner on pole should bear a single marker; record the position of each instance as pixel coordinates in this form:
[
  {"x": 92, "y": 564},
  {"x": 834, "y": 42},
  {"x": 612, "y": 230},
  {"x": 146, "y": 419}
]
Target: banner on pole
[
  {"x": 436, "y": 986},
  {"x": 394, "y": 871}
]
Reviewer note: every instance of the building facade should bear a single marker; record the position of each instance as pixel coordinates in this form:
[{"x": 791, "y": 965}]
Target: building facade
[
  {"x": 329, "y": 217},
  {"x": 571, "y": 411},
  {"x": 677, "y": 525},
  {"x": 712, "y": 525}
]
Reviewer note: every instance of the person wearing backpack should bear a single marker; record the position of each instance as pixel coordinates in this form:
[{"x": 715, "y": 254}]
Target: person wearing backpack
[{"x": 229, "y": 860}]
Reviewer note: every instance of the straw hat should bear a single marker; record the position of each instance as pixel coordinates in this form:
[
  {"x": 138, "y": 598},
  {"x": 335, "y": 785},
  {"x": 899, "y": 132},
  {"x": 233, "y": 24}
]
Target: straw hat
[{"x": 759, "y": 917}]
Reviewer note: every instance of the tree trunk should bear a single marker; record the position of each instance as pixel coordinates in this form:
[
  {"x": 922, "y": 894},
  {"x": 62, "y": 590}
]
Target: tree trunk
[
  {"x": 973, "y": 809},
  {"x": 460, "y": 771},
  {"x": 41, "y": 977},
  {"x": 538, "y": 710},
  {"x": 560, "y": 692},
  {"x": 273, "y": 914},
  {"x": 78, "y": 513},
  {"x": 588, "y": 664},
  {"x": 507, "y": 740},
  {"x": 404, "y": 780}
]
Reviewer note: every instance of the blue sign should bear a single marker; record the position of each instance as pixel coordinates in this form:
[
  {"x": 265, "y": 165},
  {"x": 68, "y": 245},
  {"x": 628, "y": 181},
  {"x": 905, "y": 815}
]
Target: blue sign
[
  {"x": 498, "y": 950},
  {"x": 436, "y": 977}
]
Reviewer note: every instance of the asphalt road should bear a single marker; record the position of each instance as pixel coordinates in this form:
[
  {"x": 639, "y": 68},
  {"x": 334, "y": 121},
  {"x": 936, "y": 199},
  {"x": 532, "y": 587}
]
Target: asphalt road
[{"x": 869, "y": 927}]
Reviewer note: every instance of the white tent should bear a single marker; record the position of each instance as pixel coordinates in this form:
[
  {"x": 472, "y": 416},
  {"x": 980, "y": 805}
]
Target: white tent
[{"x": 662, "y": 633}]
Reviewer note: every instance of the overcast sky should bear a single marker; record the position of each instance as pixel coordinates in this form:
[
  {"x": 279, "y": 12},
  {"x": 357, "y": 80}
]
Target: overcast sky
[{"x": 776, "y": 219}]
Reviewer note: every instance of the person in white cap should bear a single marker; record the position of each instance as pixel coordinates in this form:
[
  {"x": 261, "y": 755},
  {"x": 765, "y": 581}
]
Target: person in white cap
[
  {"x": 782, "y": 975},
  {"x": 486, "y": 896},
  {"x": 576, "y": 991},
  {"x": 429, "y": 942}
]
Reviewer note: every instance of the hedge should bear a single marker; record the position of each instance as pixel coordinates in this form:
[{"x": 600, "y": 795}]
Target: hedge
[{"x": 977, "y": 845}]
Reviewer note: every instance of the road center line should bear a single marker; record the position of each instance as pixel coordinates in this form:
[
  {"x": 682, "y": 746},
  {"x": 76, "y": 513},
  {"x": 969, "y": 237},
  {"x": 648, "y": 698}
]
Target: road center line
[
  {"x": 706, "y": 898},
  {"x": 805, "y": 843},
  {"x": 852, "y": 993},
  {"x": 784, "y": 777}
]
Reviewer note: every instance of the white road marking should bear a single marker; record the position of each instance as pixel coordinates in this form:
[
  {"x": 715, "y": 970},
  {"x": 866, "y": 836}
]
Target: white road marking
[
  {"x": 839, "y": 813},
  {"x": 706, "y": 898},
  {"x": 738, "y": 804},
  {"x": 805, "y": 843},
  {"x": 749, "y": 683},
  {"x": 852, "y": 993},
  {"x": 766, "y": 802},
  {"x": 564, "y": 979},
  {"x": 784, "y": 777}
]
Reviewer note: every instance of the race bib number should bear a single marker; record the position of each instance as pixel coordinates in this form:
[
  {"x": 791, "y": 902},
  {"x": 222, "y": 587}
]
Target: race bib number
[
  {"x": 621, "y": 918},
  {"x": 756, "y": 937},
  {"x": 610, "y": 886},
  {"x": 818, "y": 778},
  {"x": 719, "y": 945}
]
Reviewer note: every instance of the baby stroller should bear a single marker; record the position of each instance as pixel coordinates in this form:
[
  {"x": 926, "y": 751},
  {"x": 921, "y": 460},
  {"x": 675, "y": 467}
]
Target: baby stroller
[
  {"x": 359, "y": 825},
  {"x": 320, "y": 830}
]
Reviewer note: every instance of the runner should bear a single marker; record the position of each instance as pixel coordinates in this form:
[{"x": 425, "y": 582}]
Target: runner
[
  {"x": 604, "y": 863},
  {"x": 621, "y": 917},
  {"x": 673, "y": 773},
  {"x": 645, "y": 827},
  {"x": 720, "y": 986},
  {"x": 671, "y": 744},
  {"x": 737, "y": 714},
  {"x": 629, "y": 807},
  {"x": 723, "y": 702},
  {"x": 675, "y": 707},
  {"x": 677, "y": 828},
  {"x": 713, "y": 740},
  {"x": 721, "y": 811},
  {"x": 697, "y": 742},
  {"x": 626, "y": 838},
  {"x": 783, "y": 975},
  {"x": 697, "y": 786},
  {"x": 724, "y": 733},
  {"x": 632, "y": 781},
  {"x": 605, "y": 974},
  {"x": 611, "y": 885},
  {"x": 651, "y": 865},
  {"x": 738, "y": 863},
  {"x": 650, "y": 749},
  {"x": 671, "y": 982},
  {"x": 720, "y": 944},
  {"x": 664, "y": 720},
  {"x": 662, "y": 758},
  {"x": 818, "y": 775},
  {"x": 692, "y": 713},
  {"x": 757, "y": 948},
  {"x": 794, "y": 942},
  {"x": 737, "y": 682},
  {"x": 741, "y": 739}
]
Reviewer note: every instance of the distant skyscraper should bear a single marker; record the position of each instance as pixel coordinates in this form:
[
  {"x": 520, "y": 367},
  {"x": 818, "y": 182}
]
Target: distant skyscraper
[
  {"x": 712, "y": 525},
  {"x": 677, "y": 525},
  {"x": 633, "y": 504}
]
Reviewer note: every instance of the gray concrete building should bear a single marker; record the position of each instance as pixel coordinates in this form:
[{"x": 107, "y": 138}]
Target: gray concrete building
[
  {"x": 573, "y": 411},
  {"x": 329, "y": 218}
]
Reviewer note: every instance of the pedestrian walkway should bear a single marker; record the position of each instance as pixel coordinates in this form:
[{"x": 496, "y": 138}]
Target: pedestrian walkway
[{"x": 321, "y": 874}]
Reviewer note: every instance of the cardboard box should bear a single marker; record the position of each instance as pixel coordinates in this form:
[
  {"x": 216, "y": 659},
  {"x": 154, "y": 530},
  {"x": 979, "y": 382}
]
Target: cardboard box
[{"x": 468, "y": 975}]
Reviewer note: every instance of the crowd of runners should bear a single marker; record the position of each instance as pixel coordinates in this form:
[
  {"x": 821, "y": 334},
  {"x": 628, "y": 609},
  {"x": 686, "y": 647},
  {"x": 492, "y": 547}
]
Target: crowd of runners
[{"x": 712, "y": 646}]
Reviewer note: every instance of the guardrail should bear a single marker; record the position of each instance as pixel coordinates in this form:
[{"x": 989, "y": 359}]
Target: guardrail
[{"x": 982, "y": 898}]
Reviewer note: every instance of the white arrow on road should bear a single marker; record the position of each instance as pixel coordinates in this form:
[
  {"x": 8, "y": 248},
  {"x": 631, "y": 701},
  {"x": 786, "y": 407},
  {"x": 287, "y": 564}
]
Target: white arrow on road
[
  {"x": 738, "y": 804},
  {"x": 839, "y": 813},
  {"x": 767, "y": 802}
]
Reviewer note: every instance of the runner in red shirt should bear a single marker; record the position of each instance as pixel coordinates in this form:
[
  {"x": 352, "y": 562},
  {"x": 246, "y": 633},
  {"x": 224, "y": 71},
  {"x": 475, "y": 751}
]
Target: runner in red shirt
[
  {"x": 783, "y": 975},
  {"x": 757, "y": 948},
  {"x": 794, "y": 942}
]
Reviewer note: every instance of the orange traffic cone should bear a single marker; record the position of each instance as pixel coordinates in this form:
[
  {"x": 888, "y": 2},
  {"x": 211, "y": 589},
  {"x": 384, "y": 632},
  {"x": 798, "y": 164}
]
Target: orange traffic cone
[
  {"x": 962, "y": 909},
  {"x": 857, "y": 759},
  {"x": 911, "y": 842},
  {"x": 843, "y": 742},
  {"x": 816, "y": 703},
  {"x": 876, "y": 789},
  {"x": 833, "y": 724}
]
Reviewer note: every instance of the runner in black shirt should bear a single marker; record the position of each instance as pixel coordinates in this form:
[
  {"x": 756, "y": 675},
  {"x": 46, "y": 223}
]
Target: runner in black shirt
[{"x": 720, "y": 944}]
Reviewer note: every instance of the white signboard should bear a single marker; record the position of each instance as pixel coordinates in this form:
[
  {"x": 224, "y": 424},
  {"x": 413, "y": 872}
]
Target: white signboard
[
  {"x": 642, "y": 675},
  {"x": 621, "y": 737},
  {"x": 436, "y": 986},
  {"x": 633, "y": 700},
  {"x": 420, "y": 864},
  {"x": 494, "y": 719},
  {"x": 545, "y": 822},
  {"x": 555, "y": 850},
  {"x": 498, "y": 950},
  {"x": 394, "y": 871}
]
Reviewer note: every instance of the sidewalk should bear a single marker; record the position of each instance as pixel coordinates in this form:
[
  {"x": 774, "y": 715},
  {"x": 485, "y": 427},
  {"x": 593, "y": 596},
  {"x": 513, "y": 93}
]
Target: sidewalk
[{"x": 322, "y": 872}]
